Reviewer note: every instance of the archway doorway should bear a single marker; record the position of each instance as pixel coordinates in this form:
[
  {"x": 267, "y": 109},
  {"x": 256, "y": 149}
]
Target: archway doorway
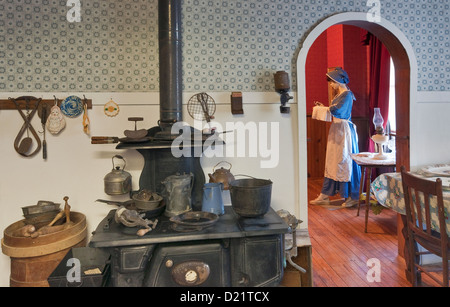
[{"x": 406, "y": 86}]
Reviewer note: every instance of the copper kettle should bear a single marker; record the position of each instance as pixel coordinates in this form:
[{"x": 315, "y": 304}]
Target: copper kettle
[{"x": 222, "y": 175}]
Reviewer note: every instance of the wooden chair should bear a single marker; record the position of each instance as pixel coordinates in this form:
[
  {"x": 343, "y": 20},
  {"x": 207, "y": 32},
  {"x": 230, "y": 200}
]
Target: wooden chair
[{"x": 418, "y": 217}]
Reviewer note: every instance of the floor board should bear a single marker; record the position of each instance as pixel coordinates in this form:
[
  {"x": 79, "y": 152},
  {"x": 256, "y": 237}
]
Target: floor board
[{"x": 341, "y": 249}]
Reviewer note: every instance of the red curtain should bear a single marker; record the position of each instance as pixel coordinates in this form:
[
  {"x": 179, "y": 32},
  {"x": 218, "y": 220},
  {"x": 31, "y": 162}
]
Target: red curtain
[{"x": 380, "y": 67}]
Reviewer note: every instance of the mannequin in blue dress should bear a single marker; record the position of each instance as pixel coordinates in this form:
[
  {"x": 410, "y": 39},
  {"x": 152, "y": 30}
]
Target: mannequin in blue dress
[{"x": 342, "y": 174}]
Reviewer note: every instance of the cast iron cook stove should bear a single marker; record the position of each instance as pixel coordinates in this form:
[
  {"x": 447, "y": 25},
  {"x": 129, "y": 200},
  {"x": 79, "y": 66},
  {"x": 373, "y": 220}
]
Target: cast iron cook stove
[{"x": 234, "y": 251}]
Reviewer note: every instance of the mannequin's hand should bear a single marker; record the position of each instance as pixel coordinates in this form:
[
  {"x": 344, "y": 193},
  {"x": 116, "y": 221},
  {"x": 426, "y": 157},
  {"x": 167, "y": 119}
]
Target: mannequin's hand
[{"x": 317, "y": 103}]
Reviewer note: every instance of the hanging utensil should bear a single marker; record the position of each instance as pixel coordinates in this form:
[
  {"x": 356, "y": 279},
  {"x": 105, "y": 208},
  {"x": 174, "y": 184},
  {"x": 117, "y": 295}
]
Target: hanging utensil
[
  {"x": 44, "y": 116},
  {"x": 24, "y": 146},
  {"x": 111, "y": 108},
  {"x": 55, "y": 122},
  {"x": 72, "y": 106},
  {"x": 26, "y": 143},
  {"x": 201, "y": 107},
  {"x": 86, "y": 120},
  {"x": 203, "y": 99}
]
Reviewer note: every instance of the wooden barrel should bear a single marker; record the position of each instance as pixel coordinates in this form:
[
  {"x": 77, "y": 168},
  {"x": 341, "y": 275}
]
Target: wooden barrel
[{"x": 34, "y": 259}]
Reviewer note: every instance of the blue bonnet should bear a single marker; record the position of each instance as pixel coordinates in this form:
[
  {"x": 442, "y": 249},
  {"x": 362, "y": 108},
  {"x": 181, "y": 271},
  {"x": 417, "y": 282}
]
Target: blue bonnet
[{"x": 339, "y": 75}]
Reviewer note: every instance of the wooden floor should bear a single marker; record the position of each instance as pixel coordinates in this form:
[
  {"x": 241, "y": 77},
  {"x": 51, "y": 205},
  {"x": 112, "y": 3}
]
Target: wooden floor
[{"x": 341, "y": 249}]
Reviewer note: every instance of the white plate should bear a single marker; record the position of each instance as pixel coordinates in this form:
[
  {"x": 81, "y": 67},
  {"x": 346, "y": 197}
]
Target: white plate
[{"x": 438, "y": 170}]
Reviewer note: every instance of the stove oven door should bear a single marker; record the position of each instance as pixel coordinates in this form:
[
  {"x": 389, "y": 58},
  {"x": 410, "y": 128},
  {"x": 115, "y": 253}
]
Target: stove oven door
[{"x": 206, "y": 264}]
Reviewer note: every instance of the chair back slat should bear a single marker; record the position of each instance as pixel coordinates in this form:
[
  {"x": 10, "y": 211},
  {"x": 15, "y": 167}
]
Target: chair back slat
[
  {"x": 427, "y": 212},
  {"x": 415, "y": 207}
]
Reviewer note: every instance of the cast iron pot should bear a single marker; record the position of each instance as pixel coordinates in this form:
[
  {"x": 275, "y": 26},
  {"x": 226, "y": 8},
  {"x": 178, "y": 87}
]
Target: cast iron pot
[{"x": 251, "y": 197}]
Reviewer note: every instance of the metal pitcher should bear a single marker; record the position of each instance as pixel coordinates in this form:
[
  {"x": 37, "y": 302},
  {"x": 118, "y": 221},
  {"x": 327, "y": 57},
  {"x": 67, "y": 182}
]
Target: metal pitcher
[
  {"x": 177, "y": 194},
  {"x": 212, "y": 198}
]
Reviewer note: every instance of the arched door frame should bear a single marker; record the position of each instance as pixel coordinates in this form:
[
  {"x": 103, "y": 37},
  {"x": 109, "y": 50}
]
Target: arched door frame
[{"x": 405, "y": 63}]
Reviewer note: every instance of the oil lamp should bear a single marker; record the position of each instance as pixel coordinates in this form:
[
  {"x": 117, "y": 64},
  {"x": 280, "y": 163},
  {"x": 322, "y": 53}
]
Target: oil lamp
[{"x": 379, "y": 138}]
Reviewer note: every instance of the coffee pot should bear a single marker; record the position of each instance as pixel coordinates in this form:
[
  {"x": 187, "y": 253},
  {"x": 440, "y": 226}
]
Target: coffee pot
[
  {"x": 177, "y": 193},
  {"x": 212, "y": 201}
]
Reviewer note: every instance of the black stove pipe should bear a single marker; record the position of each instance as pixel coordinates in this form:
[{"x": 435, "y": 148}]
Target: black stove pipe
[{"x": 170, "y": 63}]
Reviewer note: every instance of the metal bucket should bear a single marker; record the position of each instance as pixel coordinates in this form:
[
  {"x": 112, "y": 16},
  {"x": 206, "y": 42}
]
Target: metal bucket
[{"x": 251, "y": 197}]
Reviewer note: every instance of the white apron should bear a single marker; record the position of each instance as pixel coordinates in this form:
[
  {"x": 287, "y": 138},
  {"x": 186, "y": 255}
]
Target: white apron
[{"x": 338, "y": 161}]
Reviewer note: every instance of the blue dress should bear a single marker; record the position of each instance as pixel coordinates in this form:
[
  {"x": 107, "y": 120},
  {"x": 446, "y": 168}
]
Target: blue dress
[{"x": 342, "y": 174}]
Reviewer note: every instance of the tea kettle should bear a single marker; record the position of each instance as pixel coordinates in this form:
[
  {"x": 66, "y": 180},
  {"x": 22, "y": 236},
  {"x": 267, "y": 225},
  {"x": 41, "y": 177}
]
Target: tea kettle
[
  {"x": 118, "y": 181},
  {"x": 222, "y": 175},
  {"x": 177, "y": 193}
]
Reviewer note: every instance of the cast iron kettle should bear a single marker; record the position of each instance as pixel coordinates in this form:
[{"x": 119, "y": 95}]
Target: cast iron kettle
[
  {"x": 118, "y": 181},
  {"x": 222, "y": 175}
]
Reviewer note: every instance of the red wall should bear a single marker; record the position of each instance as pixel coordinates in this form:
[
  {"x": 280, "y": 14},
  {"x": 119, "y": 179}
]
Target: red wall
[
  {"x": 316, "y": 68},
  {"x": 335, "y": 43},
  {"x": 339, "y": 45}
]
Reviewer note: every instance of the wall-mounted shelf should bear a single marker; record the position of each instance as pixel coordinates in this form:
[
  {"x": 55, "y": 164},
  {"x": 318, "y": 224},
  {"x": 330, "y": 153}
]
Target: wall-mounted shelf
[{"x": 6, "y": 104}]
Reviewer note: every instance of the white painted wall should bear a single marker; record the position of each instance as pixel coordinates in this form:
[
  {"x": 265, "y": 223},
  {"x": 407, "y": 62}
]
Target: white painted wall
[
  {"x": 430, "y": 127},
  {"x": 75, "y": 168}
]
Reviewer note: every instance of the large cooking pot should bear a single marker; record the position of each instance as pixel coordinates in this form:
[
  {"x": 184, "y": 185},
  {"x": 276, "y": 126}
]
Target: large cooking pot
[
  {"x": 118, "y": 181},
  {"x": 251, "y": 197}
]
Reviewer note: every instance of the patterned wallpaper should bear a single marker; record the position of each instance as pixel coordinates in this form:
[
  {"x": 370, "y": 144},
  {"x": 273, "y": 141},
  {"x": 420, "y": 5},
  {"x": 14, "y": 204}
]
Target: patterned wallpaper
[{"x": 228, "y": 44}]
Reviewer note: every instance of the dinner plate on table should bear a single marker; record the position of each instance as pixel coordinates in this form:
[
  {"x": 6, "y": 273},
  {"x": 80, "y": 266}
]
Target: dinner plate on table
[{"x": 442, "y": 170}]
